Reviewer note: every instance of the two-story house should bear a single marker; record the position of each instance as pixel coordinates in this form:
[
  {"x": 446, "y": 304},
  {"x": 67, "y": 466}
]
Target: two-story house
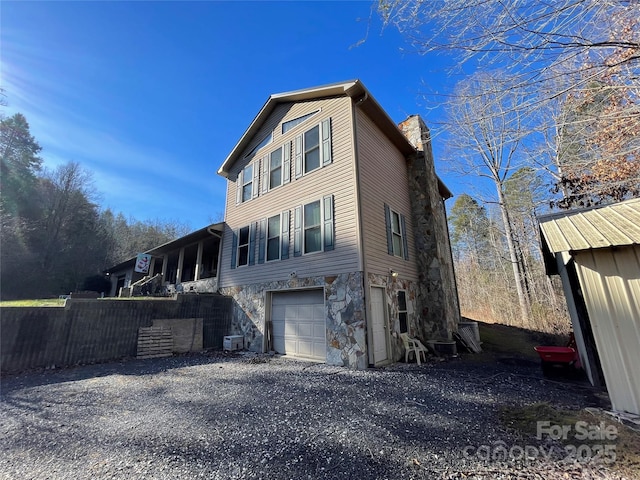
[{"x": 335, "y": 234}]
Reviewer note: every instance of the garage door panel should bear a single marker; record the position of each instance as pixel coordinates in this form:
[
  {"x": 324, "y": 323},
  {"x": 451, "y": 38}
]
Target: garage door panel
[
  {"x": 290, "y": 345},
  {"x": 290, "y": 312},
  {"x": 305, "y": 329},
  {"x": 307, "y": 297},
  {"x": 305, "y": 348},
  {"x": 290, "y": 328},
  {"x": 319, "y": 331},
  {"x": 299, "y": 323}
]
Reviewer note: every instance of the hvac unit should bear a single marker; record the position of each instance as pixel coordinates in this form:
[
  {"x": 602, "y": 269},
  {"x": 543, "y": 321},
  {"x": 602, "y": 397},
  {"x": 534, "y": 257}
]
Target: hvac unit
[{"x": 233, "y": 342}]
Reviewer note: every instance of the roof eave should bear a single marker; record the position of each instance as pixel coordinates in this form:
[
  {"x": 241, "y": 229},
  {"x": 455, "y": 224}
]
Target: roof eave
[
  {"x": 351, "y": 88},
  {"x": 443, "y": 189}
]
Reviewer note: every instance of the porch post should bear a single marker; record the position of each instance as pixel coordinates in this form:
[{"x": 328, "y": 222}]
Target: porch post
[
  {"x": 180, "y": 265},
  {"x": 151, "y": 267},
  {"x": 198, "y": 261},
  {"x": 165, "y": 265}
]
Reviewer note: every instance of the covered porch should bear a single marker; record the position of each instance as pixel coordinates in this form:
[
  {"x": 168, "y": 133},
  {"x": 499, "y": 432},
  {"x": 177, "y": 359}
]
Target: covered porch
[{"x": 186, "y": 265}]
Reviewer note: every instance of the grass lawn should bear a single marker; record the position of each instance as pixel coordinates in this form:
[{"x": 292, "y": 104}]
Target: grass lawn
[
  {"x": 55, "y": 302},
  {"x": 503, "y": 341},
  {"x": 44, "y": 302}
]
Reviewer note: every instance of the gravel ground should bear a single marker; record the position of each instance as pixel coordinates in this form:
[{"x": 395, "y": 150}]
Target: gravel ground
[{"x": 253, "y": 417}]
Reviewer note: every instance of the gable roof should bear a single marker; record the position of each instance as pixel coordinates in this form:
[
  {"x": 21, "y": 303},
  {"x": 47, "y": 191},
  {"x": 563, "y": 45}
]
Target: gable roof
[
  {"x": 600, "y": 227},
  {"x": 351, "y": 88}
]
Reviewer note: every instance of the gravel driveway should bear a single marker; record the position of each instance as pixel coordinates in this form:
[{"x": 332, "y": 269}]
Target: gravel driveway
[{"x": 231, "y": 417}]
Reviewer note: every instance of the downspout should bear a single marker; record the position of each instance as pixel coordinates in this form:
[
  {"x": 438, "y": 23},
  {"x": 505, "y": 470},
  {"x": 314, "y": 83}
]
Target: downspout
[{"x": 363, "y": 265}]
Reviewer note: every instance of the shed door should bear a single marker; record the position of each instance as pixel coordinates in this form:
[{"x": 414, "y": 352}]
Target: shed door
[{"x": 299, "y": 326}]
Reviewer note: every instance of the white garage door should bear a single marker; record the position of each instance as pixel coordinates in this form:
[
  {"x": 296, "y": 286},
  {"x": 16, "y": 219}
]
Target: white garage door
[{"x": 299, "y": 327}]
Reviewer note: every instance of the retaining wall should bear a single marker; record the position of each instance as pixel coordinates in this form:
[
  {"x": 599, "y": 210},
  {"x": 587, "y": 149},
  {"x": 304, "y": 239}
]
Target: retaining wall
[{"x": 89, "y": 331}]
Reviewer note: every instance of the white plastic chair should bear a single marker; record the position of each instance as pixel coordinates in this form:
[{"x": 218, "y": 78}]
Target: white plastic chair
[{"x": 415, "y": 346}]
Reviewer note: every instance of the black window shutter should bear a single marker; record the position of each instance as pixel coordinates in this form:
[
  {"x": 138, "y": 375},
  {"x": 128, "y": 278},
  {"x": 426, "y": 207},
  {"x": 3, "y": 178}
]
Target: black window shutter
[
  {"x": 326, "y": 142},
  {"x": 255, "y": 186},
  {"x": 405, "y": 243},
  {"x": 298, "y": 156},
  {"x": 252, "y": 243},
  {"x": 286, "y": 163},
  {"x": 327, "y": 212},
  {"x": 297, "y": 232},
  {"x": 387, "y": 218},
  {"x": 284, "y": 239},
  {"x": 234, "y": 248},
  {"x": 239, "y": 188},
  {"x": 266, "y": 164},
  {"x": 262, "y": 242}
]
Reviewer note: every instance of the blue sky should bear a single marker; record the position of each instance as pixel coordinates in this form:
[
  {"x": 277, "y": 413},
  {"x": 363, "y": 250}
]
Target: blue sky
[{"x": 152, "y": 96}]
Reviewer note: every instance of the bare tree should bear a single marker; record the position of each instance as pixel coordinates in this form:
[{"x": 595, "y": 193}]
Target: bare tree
[
  {"x": 486, "y": 133},
  {"x": 536, "y": 40},
  {"x": 578, "y": 58},
  {"x": 67, "y": 193}
]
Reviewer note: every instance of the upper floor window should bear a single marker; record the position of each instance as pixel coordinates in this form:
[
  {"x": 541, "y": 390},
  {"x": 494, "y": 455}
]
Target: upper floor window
[
  {"x": 311, "y": 159},
  {"x": 273, "y": 238},
  {"x": 243, "y": 246},
  {"x": 396, "y": 233},
  {"x": 312, "y": 227},
  {"x": 288, "y": 125},
  {"x": 275, "y": 169},
  {"x": 313, "y": 148},
  {"x": 263, "y": 143},
  {"x": 247, "y": 183}
]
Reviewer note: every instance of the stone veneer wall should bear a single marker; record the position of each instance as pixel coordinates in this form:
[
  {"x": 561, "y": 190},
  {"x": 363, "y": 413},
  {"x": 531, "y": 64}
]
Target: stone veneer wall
[
  {"x": 438, "y": 296},
  {"x": 344, "y": 307},
  {"x": 416, "y": 327},
  {"x": 204, "y": 285}
]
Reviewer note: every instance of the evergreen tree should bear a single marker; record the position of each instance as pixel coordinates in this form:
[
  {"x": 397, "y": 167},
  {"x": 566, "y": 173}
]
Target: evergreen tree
[{"x": 19, "y": 165}]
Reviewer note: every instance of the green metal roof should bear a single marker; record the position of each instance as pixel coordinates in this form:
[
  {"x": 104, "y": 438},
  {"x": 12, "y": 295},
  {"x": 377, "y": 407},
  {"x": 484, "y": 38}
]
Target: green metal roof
[{"x": 599, "y": 227}]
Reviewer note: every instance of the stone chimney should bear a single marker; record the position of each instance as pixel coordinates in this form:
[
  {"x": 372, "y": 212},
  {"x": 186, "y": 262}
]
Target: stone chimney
[
  {"x": 417, "y": 132},
  {"x": 437, "y": 299}
]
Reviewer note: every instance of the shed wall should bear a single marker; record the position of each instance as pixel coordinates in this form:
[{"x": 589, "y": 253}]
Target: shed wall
[
  {"x": 610, "y": 280},
  {"x": 563, "y": 259}
]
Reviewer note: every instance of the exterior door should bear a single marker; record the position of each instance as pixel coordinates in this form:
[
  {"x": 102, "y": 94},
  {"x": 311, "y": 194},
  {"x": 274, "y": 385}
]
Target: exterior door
[
  {"x": 299, "y": 324},
  {"x": 379, "y": 328}
]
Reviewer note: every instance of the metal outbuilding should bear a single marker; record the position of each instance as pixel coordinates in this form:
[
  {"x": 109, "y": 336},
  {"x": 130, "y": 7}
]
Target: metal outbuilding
[{"x": 596, "y": 252}]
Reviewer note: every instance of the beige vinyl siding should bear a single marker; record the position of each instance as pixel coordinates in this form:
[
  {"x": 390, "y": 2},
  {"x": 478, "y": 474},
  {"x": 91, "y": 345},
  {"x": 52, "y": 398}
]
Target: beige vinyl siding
[
  {"x": 282, "y": 113},
  {"x": 383, "y": 179},
  {"x": 611, "y": 286},
  {"x": 335, "y": 179}
]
